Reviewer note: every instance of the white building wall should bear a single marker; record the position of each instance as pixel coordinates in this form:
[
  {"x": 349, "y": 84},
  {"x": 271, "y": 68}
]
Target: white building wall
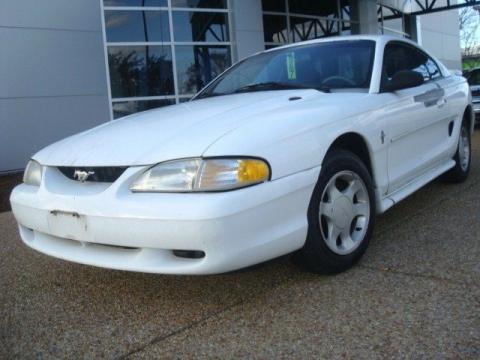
[
  {"x": 441, "y": 36},
  {"x": 247, "y": 27},
  {"x": 52, "y": 74}
]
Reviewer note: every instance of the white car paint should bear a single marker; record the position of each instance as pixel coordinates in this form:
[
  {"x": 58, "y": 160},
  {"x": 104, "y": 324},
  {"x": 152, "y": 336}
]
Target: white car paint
[{"x": 408, "y": 144}]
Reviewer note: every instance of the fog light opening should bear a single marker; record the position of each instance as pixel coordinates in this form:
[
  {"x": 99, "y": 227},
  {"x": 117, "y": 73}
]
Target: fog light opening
[
  {"x": 27, "y": 234},
  {"x": 189, "y": 254}
]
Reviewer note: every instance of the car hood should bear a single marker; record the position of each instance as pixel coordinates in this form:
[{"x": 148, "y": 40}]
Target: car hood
[{"x": 179, "y": 131}]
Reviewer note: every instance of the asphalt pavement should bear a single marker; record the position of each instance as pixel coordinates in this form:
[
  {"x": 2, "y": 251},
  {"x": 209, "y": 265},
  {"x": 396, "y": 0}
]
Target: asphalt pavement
[{"x": 414, "y": 295}]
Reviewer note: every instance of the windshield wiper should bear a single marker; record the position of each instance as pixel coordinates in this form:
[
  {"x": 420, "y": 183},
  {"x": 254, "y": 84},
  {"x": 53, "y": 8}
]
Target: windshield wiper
[
  {"x": 265, "y": 86},
  {"x": 324, "y": 88},
  {"x": 207, "y": 95},
  {"x": 272, "y": 85}
]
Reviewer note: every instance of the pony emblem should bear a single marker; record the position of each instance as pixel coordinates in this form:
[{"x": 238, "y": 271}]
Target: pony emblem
[{"x": 82, "y": 175}]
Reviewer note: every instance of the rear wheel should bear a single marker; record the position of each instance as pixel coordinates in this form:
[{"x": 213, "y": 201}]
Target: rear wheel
[
  {"x": 340, "y": 215},
  {"x": 460, "y": 171}
]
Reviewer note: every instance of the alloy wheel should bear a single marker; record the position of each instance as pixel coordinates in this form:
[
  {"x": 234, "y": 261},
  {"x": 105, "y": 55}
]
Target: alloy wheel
[{"x": 344, "y": 212}]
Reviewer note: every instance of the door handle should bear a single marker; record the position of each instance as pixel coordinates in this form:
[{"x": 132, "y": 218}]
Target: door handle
[{"x": 430, "y": 97}]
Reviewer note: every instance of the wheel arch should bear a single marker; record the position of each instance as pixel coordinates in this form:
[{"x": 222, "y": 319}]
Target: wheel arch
[{"x": 358, "y": 145}]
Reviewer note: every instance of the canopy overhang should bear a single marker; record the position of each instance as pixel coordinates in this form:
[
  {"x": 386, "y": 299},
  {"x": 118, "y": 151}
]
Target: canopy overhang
[{"x": 422, "y": 7}]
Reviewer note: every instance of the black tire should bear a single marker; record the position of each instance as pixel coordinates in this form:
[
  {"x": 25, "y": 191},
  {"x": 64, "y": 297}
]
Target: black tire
[
  {"x": 316, "y": 256},
  {"x": 459, "y": 173}
]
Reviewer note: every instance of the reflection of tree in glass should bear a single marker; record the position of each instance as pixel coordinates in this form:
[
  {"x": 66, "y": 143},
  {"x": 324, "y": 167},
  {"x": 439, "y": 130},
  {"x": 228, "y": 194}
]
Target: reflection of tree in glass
[
  {"x": 207, "y": 64},
  {"x": 134, "y": 74}
]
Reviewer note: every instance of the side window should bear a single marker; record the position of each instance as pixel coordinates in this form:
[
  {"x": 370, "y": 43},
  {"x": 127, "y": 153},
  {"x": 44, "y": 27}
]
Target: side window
[
  {"x": 419, "y": 64},
  {"x": 400, "y": 57},
  {"x": 429, "y": 67},
  {"x": 433, "y": 69}
]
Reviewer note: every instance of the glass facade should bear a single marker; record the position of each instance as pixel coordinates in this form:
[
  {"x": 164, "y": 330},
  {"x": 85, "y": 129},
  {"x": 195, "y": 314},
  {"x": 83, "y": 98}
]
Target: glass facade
[
  {"x": 391, "y": 22},
  {"x": 161, "y": 52},
  {"x": 288, "y": 21},
  {"x": 137, "y": 26},
  {"x": 197, "y": 63},
  {"x": 140, "y": 71}
]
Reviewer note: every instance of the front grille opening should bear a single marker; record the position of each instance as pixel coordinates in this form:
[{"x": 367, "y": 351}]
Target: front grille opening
[
  {"x": 189, "y": 254},
  {"x": 107, "y": 174}
]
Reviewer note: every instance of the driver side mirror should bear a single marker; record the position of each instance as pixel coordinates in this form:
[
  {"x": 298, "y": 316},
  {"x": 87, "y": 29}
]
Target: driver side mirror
[{"x": 403, "y": 80}]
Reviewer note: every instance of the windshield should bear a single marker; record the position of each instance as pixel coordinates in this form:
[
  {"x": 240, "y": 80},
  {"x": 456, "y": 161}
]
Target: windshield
[{"x": 323, "y": 66}]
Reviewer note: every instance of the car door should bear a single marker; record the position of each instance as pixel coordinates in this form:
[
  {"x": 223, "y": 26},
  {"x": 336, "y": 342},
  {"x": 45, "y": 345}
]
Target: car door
[
  {"x": 413, "y": 116},
  {"x": 446, "y": 125}
]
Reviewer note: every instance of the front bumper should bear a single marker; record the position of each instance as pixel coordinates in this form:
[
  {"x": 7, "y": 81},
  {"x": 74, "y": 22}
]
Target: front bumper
[{"x": 108, "y": 226}]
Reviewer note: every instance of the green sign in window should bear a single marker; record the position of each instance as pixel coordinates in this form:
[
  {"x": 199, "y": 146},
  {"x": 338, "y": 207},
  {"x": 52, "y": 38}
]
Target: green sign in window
[{"x": 291, "y": 68}]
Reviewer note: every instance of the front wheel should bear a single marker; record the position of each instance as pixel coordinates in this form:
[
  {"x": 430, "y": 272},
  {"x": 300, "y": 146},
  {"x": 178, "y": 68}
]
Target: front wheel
[
  {"x": 460, "y": 171},
  {"x": 341, "y": 215}
]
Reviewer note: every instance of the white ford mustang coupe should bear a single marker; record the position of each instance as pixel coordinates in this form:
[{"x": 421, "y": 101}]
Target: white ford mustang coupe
[{"x": 294, "y": 149}]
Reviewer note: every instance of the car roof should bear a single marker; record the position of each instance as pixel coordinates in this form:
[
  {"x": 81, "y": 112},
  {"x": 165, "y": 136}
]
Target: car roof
[{"x": 376, "y": 38}]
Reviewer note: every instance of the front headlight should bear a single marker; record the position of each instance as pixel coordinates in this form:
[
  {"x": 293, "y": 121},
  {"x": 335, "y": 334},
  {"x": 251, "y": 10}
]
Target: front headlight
[
  {"x": 197, "y": 175},
  {"x": 33, "y": 173}
]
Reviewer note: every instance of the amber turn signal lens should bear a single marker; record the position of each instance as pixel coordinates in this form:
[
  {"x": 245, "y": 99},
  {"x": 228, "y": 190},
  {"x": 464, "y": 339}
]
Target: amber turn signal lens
[{"x": 252, "y": 171}]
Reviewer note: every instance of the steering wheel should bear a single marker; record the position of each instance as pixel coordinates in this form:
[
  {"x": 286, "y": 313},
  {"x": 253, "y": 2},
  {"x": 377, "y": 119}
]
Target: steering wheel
[{"x": 337, "y": 78}]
